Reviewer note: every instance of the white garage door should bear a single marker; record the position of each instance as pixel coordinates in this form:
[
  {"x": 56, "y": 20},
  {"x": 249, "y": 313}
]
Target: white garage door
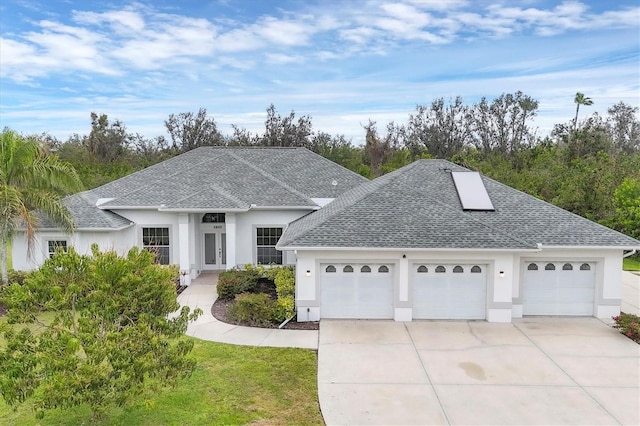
[
  {"x": 449, "y": 291},
  {"x": 558, "y": 288},
  {"x": 356, "y": 290}
]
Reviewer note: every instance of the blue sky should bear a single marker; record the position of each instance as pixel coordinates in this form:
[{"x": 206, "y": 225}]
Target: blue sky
[{"x": 340, "y": 62}]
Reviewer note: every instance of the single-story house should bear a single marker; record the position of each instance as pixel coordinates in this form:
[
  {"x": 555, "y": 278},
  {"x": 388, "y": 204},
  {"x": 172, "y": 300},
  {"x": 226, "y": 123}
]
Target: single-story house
[
  {"x": 432, "y": 240},
  {"x": 211, "y": 208}
]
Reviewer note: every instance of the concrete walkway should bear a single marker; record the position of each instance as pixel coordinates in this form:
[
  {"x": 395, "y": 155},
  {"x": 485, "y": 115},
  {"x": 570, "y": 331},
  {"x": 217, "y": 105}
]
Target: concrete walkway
[{"x": 202, "y": 293}]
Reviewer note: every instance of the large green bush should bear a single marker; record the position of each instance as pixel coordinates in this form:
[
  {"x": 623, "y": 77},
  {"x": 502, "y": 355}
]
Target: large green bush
[
  {"x": 255, "y": 309},
  {"x": 110, "y": 339},
  {"x": 234, "y": 282}
]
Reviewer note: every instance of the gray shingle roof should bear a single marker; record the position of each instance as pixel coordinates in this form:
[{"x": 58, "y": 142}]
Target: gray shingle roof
[
  {"x": 86, "y": 216},
  {"x": 418, "y": 207},
  {"x": 232, "y": 178}
]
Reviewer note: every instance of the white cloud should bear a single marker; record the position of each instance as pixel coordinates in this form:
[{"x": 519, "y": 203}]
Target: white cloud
[
  {"x": 56, "y": 48},
  {"x": 171, "y": 62},
  {"x": 122, "y": 21},
  {"x": 279, "y": 58},
  {"x": 569, "y": 15},
  {"x": 283, "y": 32}
]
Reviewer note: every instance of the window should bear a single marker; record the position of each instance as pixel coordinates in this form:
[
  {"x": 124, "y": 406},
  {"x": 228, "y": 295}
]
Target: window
[
  {"x": 213, "y": 218},
  {"x": 347, "y": 268},
  {"x": 384, "y": 269},
  {"x": 567, "y": 267},
  {"x": 549, "y": 267},
  {"x": 440, "y": 269},
  {"x": 330, "y": 268},
  {"x": 365, "y": 268},
  {"x": 585, "y": 267},
  {"x": 458, "y": 270},
  {"x": 53, "y": 245},
  {"x": 266, "y": 239},
  {"x": 476, "y": 269},
  {"x": 156, "y": 240},
  {"x": 532, "y": 267},
  {"x": 422, "y": 269}
]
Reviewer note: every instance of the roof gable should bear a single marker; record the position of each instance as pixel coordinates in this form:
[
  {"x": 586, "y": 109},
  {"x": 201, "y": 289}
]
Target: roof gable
[{"x": 232, "y": 178}]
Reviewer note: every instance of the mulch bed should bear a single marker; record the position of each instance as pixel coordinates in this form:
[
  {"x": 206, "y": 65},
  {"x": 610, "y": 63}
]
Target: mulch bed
[{"x": 219, "y": 310}]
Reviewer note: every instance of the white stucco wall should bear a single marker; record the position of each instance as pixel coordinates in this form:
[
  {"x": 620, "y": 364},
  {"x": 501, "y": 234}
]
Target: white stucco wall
[
  {"x": 499, "y": 290},
  {"x": 191, "y": 241},
  {"x": 504, "y": 276},
  {"x": 154, "y": 218},
  {"x": 245, "y": 231},
  {"x": 81, "y": 241}
]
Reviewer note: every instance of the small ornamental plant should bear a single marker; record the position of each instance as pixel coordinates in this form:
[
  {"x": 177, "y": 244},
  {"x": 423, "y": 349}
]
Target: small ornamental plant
[{"x": 629, "y": 325}]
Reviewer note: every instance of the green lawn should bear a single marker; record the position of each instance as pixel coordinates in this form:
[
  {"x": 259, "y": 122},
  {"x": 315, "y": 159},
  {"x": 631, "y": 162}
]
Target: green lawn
[
  {"x": 630, "y": 264},
  {"x": 231, "y": 385}
]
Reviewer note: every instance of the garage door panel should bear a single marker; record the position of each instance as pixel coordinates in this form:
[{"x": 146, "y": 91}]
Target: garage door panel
[
  {"x": 560, "y": 291},
  {"x": 449, "y": 295},
  {"x": 365, "y": 295}
]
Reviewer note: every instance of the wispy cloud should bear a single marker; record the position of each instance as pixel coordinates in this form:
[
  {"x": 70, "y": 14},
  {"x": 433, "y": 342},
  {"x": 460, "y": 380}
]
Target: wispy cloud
[
  {"x": 339, "y": 61},
  {"x": 142, "y": 37}
]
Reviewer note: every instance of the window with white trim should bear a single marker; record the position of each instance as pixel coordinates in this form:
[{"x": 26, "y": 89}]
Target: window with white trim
[
  {"x": 53, "y": 245},
  {"x": 157, "y": 241},
  {"x": 266, "y": 240}
]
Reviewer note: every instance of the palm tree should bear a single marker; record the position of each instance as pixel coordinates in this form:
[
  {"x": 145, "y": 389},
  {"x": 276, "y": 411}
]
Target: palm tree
[
  {"x": 31, "y": 181},
  {"x": 580, "y": 99}
]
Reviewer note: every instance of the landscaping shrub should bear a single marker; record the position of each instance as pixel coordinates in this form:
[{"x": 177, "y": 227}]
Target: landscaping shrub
[
  {"x": 285, "y": 281},
  {"x": 629, "y": 325},
  {"x": 234, "y": 282},
  {"x": 284, "y": 308},
  {"x": 255, "y": 309},
  {"x": 17, "y": 277}
]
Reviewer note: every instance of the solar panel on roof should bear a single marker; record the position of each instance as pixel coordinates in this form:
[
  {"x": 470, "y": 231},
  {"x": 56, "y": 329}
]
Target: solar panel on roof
[{"x": 471, "y": 191}]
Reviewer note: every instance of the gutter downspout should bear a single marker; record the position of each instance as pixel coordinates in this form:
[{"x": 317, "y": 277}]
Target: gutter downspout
[
  {"x": 286, "y": 321},
  {"x": 631, "y": 253}
]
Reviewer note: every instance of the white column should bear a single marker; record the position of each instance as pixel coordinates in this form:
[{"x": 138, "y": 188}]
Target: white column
[
  {"x": 230, "y": 223},
  {"x": 403, "y": 278},
  {"x": 183, "y": 247}
]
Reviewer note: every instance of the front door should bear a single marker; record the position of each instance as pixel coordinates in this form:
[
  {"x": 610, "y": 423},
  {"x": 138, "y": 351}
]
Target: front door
[{"x": 215, "y": 250}]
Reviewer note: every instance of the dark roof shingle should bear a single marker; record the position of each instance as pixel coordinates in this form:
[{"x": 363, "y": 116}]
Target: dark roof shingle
[
  {"x": 418, "y": 207},
  {"x": 232, "y": 178}
]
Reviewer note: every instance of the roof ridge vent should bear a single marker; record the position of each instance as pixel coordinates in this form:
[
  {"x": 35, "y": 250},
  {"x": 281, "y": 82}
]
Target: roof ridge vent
[{"x": 472, "y": 193}]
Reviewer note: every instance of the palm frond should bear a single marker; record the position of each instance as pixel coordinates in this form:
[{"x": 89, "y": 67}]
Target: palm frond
[{"x": 30, "y": 180}]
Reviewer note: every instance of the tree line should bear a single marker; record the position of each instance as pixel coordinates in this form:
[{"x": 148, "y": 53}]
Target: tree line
[{"x": 589, "y": 166}]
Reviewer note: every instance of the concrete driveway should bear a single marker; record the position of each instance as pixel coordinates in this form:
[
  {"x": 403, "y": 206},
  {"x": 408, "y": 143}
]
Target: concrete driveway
[{"x": 534, "y": 371}]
